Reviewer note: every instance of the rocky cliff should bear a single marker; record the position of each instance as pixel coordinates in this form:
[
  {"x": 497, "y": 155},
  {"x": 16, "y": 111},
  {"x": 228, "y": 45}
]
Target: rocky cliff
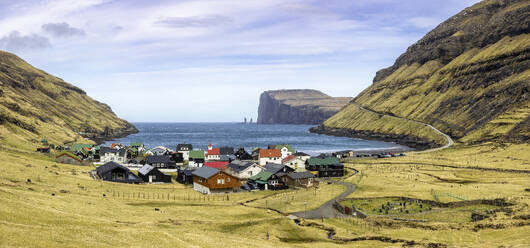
[
  {"x": 298, "y": 106},
  {"x": 36, "y": 105},
  {"x": 469, "y": 77}
]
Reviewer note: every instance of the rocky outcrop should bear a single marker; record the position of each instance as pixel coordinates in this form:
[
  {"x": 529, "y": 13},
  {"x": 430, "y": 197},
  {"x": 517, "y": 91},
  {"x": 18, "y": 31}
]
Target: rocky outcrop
[
  {"x": 469, "y": 77},
  {"x": 298, "y": 106}
]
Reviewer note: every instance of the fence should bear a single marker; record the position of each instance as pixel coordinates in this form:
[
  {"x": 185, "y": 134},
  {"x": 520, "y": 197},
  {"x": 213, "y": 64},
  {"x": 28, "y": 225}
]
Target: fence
[{"x": 167, "y": 196}]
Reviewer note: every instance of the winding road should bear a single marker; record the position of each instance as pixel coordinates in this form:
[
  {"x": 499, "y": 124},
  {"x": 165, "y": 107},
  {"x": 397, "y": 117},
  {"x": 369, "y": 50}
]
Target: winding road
[
  {"x": 450, "y": 141},
  {"x": 327, "y": 210}
]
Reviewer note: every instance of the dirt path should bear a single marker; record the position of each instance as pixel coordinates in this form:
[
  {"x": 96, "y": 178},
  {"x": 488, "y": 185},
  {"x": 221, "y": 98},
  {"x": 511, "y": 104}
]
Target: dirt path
[
  {"x": 327, "y": 210},
  {"x": 450, "y": 141}
]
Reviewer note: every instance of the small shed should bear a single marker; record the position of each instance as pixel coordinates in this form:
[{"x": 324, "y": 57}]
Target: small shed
[
  {"x": 151, "y": 174},
  {"x": 68, "y": 158},
  {"x": 185, "y": 176}
]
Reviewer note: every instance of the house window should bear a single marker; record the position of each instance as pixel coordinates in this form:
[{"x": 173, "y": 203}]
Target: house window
[
  {"x": 218, "y": 181},
  {"x": 228, "y": 180},
  {"x": 250, "y": 173},
  {"x": 200, "y": 180}
]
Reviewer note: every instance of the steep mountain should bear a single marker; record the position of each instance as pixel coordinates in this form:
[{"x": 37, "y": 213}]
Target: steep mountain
[
  {"x": 298, "y": 106},
  {"x": 469, "y": 78},
  {"x": 36, "y": 105}
]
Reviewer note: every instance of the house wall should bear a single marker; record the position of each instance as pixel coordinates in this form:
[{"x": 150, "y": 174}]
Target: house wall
[
  {"x": 201, "y": 188},
  {"x": 227, "y": 181},
  {"x": 109, "y": 157},
  {"x": 285, "y": 152},
  {"x": 264, "y": 161},
  {"x": 297, "y": 164},
  {"x": 185, "y": 155}
]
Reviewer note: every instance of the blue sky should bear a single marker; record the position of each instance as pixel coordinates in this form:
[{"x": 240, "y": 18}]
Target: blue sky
[{"x": 187, "y": 61}]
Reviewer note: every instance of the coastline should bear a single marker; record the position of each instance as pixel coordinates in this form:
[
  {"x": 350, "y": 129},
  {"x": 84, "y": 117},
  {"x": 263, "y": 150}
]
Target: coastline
[{"x": 405, "y": 140}]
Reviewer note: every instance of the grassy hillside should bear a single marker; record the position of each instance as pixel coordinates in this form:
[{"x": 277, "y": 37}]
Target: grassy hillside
[
  {"x": 469, "y": 77},
  {"x": 36, "y": 105}
]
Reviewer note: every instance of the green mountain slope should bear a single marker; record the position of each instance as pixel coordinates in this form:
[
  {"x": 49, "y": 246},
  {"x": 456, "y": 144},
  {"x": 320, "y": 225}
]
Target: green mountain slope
[
  {"x": 469, "y": 77},
  {"x": 36, "y": 105}
]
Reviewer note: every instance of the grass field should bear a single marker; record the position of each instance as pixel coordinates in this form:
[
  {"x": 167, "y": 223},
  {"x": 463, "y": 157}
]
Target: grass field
[{"x": 62, "y": 206}]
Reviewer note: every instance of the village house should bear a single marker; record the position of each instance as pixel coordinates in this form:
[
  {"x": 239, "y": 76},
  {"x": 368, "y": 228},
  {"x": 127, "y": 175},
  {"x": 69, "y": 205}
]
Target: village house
[
  {"x": 151, "y": 174},
  {"x": 268, "y": 181},
  {"x": 226, "y": 150},
  {"x": 243, "y": 170},
  {"x": 78, "y": 147},
  {"x": 43, "y": 149},
  {"x": 241, "y": 154},
  {"x": 160, "y": 150},
  {"x": 255, "y": 154},
  {"x": 213, "y": 153},
  {"x": 343, "y": 154},
  {"x": 178, "y": 157},
  {"x": 285, "y": 149},
  {"x": 277, "y": 168},
  {"x": 303, "y": 156},
  {"x": 185, "y": 176},
  {"x": 304, "y": 179},
  {"x": 68, "y": 158},
  {"x": 115, "y": 172},
  {"x": 107, "y": 154},
  {"x": 221, "y": 165},
  {"x": 325, "y": 167},
  {"x": 209, "y": 180},
  {"x": 269, "y": 156},
  {"x": 160, "y": 161},
  {"x": 196, "y": 158},
  {"x": 294, "y": 162},
  {"x": 185, "y": 150}
]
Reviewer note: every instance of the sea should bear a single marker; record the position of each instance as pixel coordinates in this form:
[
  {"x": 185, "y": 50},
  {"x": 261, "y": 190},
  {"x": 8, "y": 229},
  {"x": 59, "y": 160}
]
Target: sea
[{"x": 249, "y": 136}]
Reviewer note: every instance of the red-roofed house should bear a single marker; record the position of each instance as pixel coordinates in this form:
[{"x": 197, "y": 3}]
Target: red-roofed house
[
  {"x": 221, "y": 165},
  {"x": 213, "y": 153},
  {"x": 295, "y": 162},
  {"x": 270, "y": 156}
]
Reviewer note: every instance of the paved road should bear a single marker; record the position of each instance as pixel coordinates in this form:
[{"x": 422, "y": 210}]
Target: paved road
[
  {"x": 450, "y": 141},
  {"x": 327, "y": 210}
]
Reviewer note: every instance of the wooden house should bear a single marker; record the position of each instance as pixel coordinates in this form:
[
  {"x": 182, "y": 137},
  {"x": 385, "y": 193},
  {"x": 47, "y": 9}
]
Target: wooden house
[
  {"x": 209, "y": 180},
  {"x": 269, "y": 156},
  {"x": 68, "y": 158},
  {"x": 185, "y": 150},
  {"x": 304, "y": 179},
  {"x": 115, "y": 172},
  {"x": 268, "y": 181},
  {"x": 325, "y": 167},
  {"x": 151, "y": 174},
  {"x": 196, "y": 158},
  {"x": 160, "y": 161},
  {"x": 185, "y": 176}
]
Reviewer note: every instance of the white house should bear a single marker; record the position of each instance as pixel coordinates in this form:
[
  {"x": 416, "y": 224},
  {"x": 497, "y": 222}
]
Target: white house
[
  {"x": 243, "y": 170},
  {"x": 295, "y": 162},
  {"x": 185, "y": 150},
  {"x": 107, "y": 154},
  {"x": 302, "y": 156},
  {"x": 269, "y": 156}
]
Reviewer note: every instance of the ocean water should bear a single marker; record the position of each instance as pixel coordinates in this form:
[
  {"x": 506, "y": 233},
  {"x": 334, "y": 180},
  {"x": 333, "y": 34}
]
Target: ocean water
[{"x": 248, "y": 136}]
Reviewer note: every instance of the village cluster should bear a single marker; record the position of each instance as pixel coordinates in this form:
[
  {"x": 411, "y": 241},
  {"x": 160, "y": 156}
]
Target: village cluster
[{"x": 214, "y": 170}]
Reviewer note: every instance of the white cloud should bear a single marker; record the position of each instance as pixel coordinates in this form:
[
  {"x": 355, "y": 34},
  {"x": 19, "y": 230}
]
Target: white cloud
[{"x": 15, "y": 42}]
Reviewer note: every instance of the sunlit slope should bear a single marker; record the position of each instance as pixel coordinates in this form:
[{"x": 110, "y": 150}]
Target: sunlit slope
[
  {"x": 36, "y": 105},
  {"x": 469, "y": 77}
]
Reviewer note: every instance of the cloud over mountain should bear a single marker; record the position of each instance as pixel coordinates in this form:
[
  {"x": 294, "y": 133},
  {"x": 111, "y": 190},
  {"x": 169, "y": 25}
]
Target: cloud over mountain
[{"x": 17, "y": 42}]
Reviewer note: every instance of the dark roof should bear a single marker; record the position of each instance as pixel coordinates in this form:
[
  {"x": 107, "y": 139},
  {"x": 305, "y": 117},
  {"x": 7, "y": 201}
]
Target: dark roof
[
  {"x": 205, "y": 172},
  {"x": 110, "y": 166},
  {"x": 145, "y": 169},
  {"x": 301, "y": 175},
  {"x": 301, "y": 154},
  {"x": 181, "y": 146},
  {"x": 273, "y": 168},
  {"x": 227, "y": 157},
  {"x": 226, "y": 150},
  {"x": 186, "y": 172},
  {"x": 156, "y": 159},
  {"x": 238, "y": 167},
  {"x": 323, "y": 161}
]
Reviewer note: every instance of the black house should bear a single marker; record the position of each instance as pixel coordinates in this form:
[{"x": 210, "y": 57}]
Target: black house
[
  {"x": 115, "y": 172},
  {"x": 185, "y": 176},
  {"x": 160, "y": 161},
  {"x": 325, "y": 167},
  {"x": 241, "y": 154},
  {"x": 226, "y": 151},
  {"x": 184, "y": 147},
  {"x": 177, "y": 157},
  {"x": 151, "y": 174},
  {"x": 278, "y": 169}
]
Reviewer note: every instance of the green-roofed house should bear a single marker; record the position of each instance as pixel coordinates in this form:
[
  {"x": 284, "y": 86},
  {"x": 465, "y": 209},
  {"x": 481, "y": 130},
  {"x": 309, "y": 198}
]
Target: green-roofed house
[
  {"x": 325, "y": 167},
  {"x": 78, "y": 147},
  {"x": 196, "y": 158},
  {"x": 136, "y": 144},
  {"x": 68, "y": 158},
  {"x": 266, "y": 180}
]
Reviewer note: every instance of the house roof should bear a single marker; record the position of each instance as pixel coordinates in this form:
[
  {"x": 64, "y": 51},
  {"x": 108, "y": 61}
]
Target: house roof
[
  {"x": 273, "y": 168},
  {"x": 239, "y": 167},
  {"x": 300, "y": 154},
  {"x": 78, "y": 147},
  {"x": 196, "y": 154},
  {"x": 205, "y": 172},
  {"x": 156, "y": 159},
  {"x": 288, "y": 158},
  {"x": 214, "y": 151},
  {"x": 286, "y": 145},
  {"x": 136, "y": 144},
  {"x": 227, "y": 157},
  {"x": 226, "y": 150},
  {"x": 262, "y": 177},
  {"x": 323, "y": 161},
  {"x": 270, "y": 153},
  {"x": 145, "y": 169},
  {"x": 69, "y": 155},
  {"x": 301, "y": 175},
  {"x": 186, "y": 172},
  {"x": 217, "y": 164},
  {"x": 110, "y": 166},
  {"x": 180, "y": 147}
]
